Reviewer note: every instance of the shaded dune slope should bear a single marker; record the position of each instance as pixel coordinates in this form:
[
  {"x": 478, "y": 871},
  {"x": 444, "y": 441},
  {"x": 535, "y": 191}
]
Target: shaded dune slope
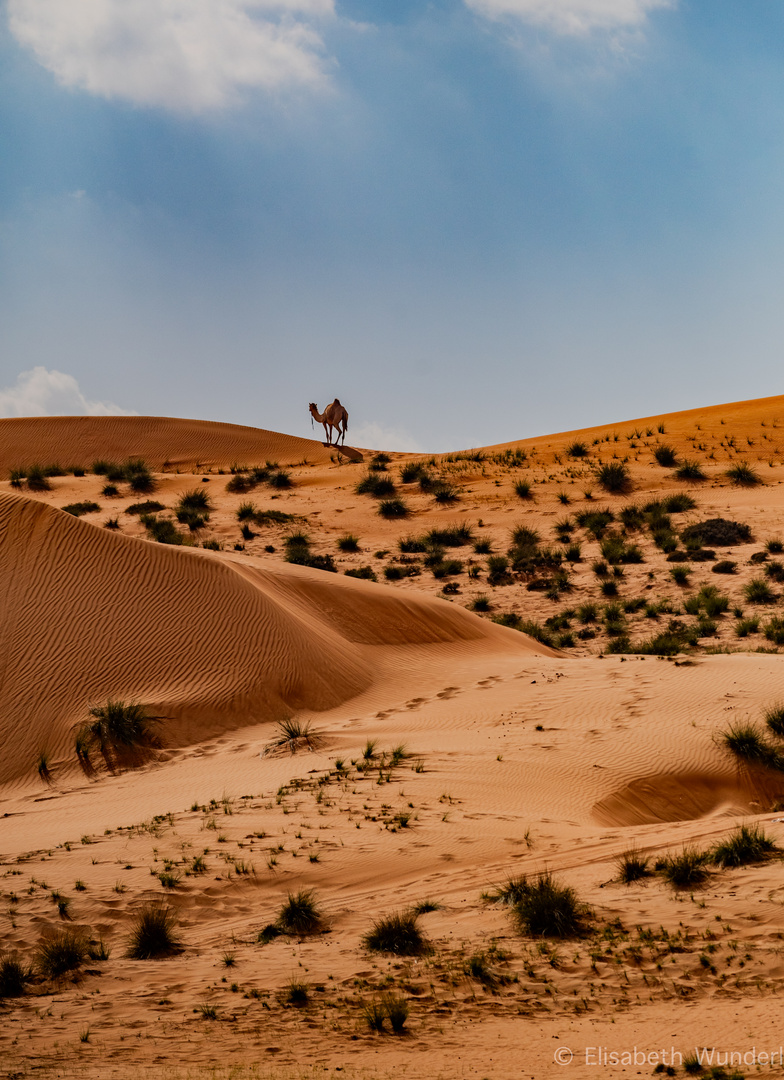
[
  {"x": 211, "y": 643},
  {"x": 163, "y": 442}
]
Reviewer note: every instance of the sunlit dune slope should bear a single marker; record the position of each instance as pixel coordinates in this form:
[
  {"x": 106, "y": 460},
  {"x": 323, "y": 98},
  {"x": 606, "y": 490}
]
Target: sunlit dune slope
[
  {"x": 164, "y": 442},
  {"x": 208, "y": 642},
  {"x": 739, "y": 419}
]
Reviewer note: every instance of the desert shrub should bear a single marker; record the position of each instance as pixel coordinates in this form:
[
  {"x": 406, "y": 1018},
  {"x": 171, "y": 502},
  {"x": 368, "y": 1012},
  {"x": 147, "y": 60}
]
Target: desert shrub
[
  {"x": 393, "y": 508},
  {"x": 508, "y": 618},
  {"x": 348, "y": 542},
  {"x": 680, "y": 574},
  {"x": 679, "y": 503},
  {"x": 412, "y": 545},
  {"x": 37, "y": 480},
  {"x": 743, "y": 475},
  {"x": 298, "y": 552},
  {"x": 632, "y": 866},
  {"x": 367, "y": 573},
  {"x": 687, "y": 869},
  {"x": 148, "y": 507},
  {"x": 398, "y": 933},
  {"x": 522, "y": 489},
  {"x": 757, "y": 591},
  {"x": 595, "y": 521},
  {"x": 195, "y": 521},
  {"x": 77, "y": 509},
  {"x": 774, "y": 570},
  {"x": 154, "y": 932},
  {"x": 395, "y": 1008},
  {"x": 379, "y": 463},
  {"x": 280, "y": 479},
  {"x": 774, "y": 630},
  {"x": 240, "y": 484},
  {"x": 744, "y": 627},
  {"x": 690, "y": 470},
  {"x": 712, "y": 602},
  {"x": 577, "y": 449},
  {"x": 774, "y": 547},
  {"x": 748, "y": 844},
  {"x": 13, "y": 976},
  {"x": 545, "y": 908},
  {"x": 455, "y": 536},
  {"x": 774, "y": 719},
  {"x": 746, "y": 742},
  {"x": 60, "y": 952},
  {"x": 162, "y": 530},
  {"x": 196, "y": 499},
  {"x": 498, "y": 570},
  {"x": 139, "y": 477},
  {"x": 614, "y": 477},
  {"x": 480, "y": 603},
  {"x": 665, "y": 456},
  {"x": 301, "y": 914},
  {"x": 667, "y": 643},
  {"x": 377, "y": 486},
  {"x": 616, "y": 551},
  {"x": 444, "y": 493},
  {"x": 292, "y": 734},
  {"x": 483, "y": 547},
  {"x": 718, "y": 532},
  {"x": 411, "y": 472},
  {"x": 724, "y": 566},
  {"x": 296, "y": 993},
  {"x": 118, "y": 729}
]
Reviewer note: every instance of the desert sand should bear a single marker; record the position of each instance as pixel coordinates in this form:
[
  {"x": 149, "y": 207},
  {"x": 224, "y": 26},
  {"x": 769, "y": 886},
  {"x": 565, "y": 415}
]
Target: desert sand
[{"x": 447, "y": 753}]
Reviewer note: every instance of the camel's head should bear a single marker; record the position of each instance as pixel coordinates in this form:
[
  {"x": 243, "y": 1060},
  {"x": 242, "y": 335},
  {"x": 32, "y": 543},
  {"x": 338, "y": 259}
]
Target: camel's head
[{"x": 313, "y": 407}]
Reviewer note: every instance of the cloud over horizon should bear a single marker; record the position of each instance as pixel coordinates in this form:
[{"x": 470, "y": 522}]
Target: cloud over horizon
[
  {"x": 572, "y": 16},
  {"x": 41, "y": 392},
  {"x": 183, "y": 55}
]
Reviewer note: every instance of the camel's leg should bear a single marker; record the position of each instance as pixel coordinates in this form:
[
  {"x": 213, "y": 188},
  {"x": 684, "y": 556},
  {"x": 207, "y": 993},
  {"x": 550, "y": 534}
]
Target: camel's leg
[{"x": 326, "y": 433}]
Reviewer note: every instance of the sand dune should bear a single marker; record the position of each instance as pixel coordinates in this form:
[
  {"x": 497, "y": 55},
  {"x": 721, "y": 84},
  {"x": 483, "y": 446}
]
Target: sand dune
[
  {"x": 511, "y": 758},
  {"x": 209, "y": 643},
  {"x": 166, "y": 443}
]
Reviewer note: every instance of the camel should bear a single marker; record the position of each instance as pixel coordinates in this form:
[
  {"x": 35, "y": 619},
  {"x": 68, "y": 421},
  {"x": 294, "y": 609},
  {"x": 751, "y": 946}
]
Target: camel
[{"x": 333, "y": 416}]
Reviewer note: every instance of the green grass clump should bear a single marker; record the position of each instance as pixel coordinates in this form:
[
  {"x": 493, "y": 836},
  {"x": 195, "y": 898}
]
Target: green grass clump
[
  {"x": 162, "y": 530},
  {"x": 774, "y": 719},
  {"x": 444, "y": 493},
  {"x": 398, "y": 933},
  {"x": 393, "y": 508},
  {"x": 577, "y": 449},
  {"x": 744, "y": 627},
  {"x": 77, "y": 509},
  {"x": 298, "y": 551},
  {"x": 614, "y": 477},
  {"x": 348, "y": 542},
  {"x": 690, "y": 470},
  {"x": 523, "y": 489},
  {"x": 411, "y": 472},
  {"x": 301, "y": 914},
  {"x": 665, "y": 456},
  {"x": 148, "y": 507},
  {"x": 748, "y": 844},
  {"x": 377, "y": 486},
  {"x": 743, "y": 475},
  {"x": 454, "y": 536},
  {"x": 367, "y": 573},
  {"x": 119, "y": 730},
  {"x": 296, "y": 993},
  {"x": 746, "y": 742},
  {"x": 774, "y": 630},
  {"x": 293, "y": 734},
  {"x": 632, "y": 866},
  {"x": 688, "y": 869},
  {"x": 480, "y": 603},
  {"x": 757, "y": 591},
  {"x": 37, "y": 480},
  {"x": 197, "y": 500},
  {"x": 154, "y": 933},
  {"x": 61, "y": 952},
  {"x": 680, "y": 574},
  {"x": 13, "y": 976},
  {"x": 545, "y": 908}
]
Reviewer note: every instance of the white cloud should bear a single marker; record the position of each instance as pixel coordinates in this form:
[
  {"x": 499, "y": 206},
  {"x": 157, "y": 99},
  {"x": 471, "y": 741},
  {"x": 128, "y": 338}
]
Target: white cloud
[
  {"x": 52, "y": 393},
  {"x": 374, "y": 436},
  {"x": 572, "y": 16},
  {"x": 185, "y": 55}
]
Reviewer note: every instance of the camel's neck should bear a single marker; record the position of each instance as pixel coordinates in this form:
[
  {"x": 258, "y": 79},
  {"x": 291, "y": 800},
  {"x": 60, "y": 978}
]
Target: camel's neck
[{"x": 317, "y": 415}]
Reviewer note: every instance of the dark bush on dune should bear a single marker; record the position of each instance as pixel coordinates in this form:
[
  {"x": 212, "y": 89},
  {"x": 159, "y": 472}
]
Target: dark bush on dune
[{"x": 718, "y": 532}]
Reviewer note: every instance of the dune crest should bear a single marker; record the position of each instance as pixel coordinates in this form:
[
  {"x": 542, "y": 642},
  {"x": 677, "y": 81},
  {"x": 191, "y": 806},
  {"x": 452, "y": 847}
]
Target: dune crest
[
  {"x": 164, "y": 442},
  {"x": 209, "y": 643}
]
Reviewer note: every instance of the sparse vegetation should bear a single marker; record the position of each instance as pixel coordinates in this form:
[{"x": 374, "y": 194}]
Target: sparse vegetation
[
  {"x": 60, "y": 952},
  {"x": 748, "y": 844},
  {"x": 80, "y": 508},
  {"x": 398, "y": 933},
  {"x": 614, "y": 477},
  {"x": 743, "y": 475},
  {"x": 301, "y": 914},
  {"x": 154, "y": 934},
  {"x": 120, "y": 730},
  {"x": 686, "y": 870},
  {"x": 545, "y": 908},
  {"x": 632, "y": 866}
]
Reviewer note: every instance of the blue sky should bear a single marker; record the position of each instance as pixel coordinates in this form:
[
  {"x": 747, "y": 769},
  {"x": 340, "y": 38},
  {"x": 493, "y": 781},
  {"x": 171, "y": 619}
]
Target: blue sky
[{"x": 471, "y": 220}]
